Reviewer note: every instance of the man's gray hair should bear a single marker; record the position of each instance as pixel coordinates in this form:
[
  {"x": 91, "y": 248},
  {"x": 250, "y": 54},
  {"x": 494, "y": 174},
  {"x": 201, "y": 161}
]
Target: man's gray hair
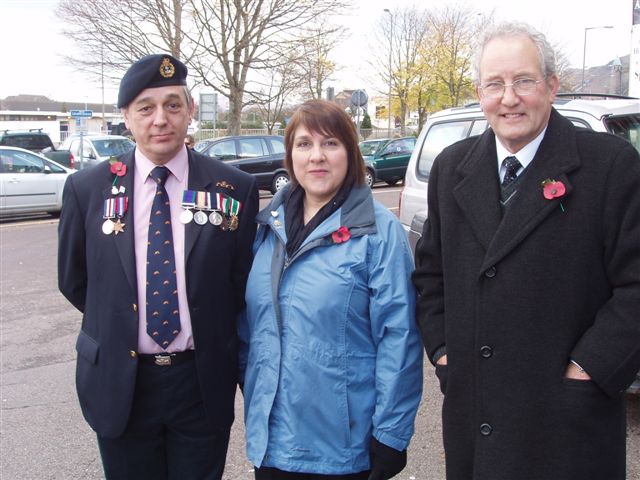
[{"x": 546, "y": 52}]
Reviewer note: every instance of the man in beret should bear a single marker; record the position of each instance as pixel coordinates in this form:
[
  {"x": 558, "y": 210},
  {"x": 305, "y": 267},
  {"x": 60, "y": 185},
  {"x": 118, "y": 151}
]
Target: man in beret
[{"x": 154, "y": 250}]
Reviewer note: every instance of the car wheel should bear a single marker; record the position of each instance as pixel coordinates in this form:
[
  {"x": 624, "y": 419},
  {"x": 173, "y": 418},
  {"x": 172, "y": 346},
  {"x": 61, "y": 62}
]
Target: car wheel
[
  {"x": 279, "y": 181},
  {"x": 369, "y": 178},
  {"x": 393, "y": 182}
]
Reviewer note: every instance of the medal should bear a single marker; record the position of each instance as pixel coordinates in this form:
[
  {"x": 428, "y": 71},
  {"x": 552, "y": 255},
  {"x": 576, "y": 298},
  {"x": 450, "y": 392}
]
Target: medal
[
  {"x": 186, "y": 216},
  {"x": 233, "y": 222},
  {"x": 118, "y": 227},
  {"x": 224, "y": 225},
  {"x": 200, "y": 217},
  {"x": 114, "y": 190},
  {"x": 215, "y": 218},
  {"x": 107, "y": 227}
]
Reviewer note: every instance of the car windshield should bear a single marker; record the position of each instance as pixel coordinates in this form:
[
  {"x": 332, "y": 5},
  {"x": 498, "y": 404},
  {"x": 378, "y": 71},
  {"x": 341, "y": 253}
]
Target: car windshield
[
  {"x": 625, "y": 126},
  {"x": 370, "y": 147},
  {"x": 115, "y": 146}
]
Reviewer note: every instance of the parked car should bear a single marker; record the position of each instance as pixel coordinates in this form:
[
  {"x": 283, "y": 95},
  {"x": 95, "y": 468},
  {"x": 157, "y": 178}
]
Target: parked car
[
  {"x": 388, "y": 160},
  {"x": 30, "y": 182},
  {"x": 618, "y": 116},
  {"x": 96, "y": 148},
  {"x": 260, "y": 155},
  {"x": 37, "y": 141}
]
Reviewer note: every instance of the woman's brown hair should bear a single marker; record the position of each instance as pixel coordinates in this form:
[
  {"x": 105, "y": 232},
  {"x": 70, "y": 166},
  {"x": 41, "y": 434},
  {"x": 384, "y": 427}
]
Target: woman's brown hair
[{"x": 329, "y": 119}]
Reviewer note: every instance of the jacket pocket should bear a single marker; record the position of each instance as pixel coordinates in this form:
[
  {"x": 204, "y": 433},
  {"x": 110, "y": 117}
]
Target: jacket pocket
[{"x": 87, "y": 347}]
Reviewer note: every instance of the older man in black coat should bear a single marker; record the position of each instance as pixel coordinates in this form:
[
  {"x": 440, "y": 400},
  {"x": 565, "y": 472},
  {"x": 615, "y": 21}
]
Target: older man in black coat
[{"x": 528, "y": 274}]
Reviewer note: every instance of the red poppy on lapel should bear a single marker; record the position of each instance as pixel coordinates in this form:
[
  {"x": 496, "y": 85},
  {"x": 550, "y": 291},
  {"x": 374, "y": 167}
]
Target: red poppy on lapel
[
  {"x": 552, "y": 189},
  {"x": 341, "y": 235}
]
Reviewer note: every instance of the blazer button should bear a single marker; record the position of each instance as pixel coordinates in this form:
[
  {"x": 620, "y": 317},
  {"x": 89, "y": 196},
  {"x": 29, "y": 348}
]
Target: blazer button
[
  {"x": 133, "y": 353},
  {"x": 485, "y": 429},
  {"x": 486, "y": 351},
  {"x": 490, "y": 272}
]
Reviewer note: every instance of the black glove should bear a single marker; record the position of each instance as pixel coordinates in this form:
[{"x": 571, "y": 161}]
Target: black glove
[{"x": 385, "y": 461}]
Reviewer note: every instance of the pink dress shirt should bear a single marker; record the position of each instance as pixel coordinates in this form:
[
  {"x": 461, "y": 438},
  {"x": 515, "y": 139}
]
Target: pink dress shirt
[{"x": 144, "y": 189}]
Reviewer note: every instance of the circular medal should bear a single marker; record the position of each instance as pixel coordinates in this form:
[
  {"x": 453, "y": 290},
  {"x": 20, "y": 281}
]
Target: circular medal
[
  {"x": 186, "y": 216},
  {"x": 200, "y": 217},
  {"x": 215, "y": 218},
  {"x": 107, "y": 227}
]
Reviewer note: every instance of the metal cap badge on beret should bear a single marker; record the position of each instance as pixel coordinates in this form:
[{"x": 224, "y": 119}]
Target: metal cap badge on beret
[{"x": 150, "y": 72}]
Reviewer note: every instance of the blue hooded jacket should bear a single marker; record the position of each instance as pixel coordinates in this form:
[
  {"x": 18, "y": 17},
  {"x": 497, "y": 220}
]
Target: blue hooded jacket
[{"x": 330, "y": 350}]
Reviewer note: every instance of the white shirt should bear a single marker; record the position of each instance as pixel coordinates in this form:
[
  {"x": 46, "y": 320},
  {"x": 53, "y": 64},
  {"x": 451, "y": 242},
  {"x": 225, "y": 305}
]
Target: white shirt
[{"x": 524, "y": 155}]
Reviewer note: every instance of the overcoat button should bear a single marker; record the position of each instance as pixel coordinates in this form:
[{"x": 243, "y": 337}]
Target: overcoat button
[
  {"x": 485, "y": 429},
  {"x": 490, "y": 272},
  {"x": 133, "y": 354},
  {"x": 486, "y": 351}
]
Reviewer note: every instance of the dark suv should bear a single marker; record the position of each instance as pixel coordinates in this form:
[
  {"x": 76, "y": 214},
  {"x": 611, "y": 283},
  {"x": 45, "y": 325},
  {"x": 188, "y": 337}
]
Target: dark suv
[
  {"x": 37, "y": 141},
  {"x": 260, "y": 155}
]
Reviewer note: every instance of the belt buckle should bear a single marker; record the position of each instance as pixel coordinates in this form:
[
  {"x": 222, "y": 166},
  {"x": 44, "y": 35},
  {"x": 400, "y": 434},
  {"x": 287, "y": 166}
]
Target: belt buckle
[{"x": 162, "y": 360}]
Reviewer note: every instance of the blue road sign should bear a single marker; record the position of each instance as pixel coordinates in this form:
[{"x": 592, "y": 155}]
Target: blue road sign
[{"x": 81, "y": 113}]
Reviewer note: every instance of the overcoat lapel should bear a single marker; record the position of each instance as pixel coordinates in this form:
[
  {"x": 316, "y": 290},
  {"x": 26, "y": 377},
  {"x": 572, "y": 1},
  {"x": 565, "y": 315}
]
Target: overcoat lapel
[
  {"x": 478, "y": 192},
  {"x": 125, "y": 241}
]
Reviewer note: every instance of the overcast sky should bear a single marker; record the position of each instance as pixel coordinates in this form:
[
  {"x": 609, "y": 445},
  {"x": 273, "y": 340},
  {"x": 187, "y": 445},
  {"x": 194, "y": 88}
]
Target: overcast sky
[{"x": 32, "y": 44}]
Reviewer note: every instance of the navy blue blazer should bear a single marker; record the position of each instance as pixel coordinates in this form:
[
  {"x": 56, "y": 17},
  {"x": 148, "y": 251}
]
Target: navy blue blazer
[{"x": 96, "y": 273}]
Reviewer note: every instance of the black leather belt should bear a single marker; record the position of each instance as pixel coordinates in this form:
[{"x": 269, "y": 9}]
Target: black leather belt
[{"x": 166, "y": 359}]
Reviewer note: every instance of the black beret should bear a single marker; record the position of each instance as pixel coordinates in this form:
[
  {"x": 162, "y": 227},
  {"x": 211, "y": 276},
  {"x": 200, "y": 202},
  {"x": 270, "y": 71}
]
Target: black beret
[{"x": 150, "y": 72}]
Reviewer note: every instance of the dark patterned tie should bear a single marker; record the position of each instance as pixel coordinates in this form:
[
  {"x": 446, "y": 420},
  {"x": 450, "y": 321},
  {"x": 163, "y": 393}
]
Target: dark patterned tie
[
  {"x": 511, "y": 165},
  {"x": 163, "y": 317}
]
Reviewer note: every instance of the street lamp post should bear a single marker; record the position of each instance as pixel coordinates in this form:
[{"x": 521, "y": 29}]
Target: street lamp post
[
  {"x": 584, "y": 52},
  {"x": 390, "y": 69}
]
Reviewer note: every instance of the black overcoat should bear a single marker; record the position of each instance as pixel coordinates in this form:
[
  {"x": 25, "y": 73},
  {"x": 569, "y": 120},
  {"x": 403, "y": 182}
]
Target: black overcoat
[
  {"x": 97, "y": 274},
  {"x": 513, "y": 297}
]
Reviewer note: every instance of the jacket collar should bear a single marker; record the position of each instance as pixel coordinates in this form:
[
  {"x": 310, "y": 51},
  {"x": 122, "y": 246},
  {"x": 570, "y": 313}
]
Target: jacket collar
[
  {"x": 357, "y": 213},
  {"x": 477, "y": 193}
]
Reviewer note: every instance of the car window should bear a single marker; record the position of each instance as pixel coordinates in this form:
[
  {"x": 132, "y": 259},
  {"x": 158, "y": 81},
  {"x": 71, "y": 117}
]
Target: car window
[
  {"x": 369, "y": 148},
  {"x": 253, "y": 147},
  {"x": 439, "y": 136},
  {"x": 30, "y": 142},
  {"x": 398, "y": 146},
  {"x": 109, "y": 147},
  {"x": 277, "y": 145},
  {"x": 625, "y": 126},
  {"x": 224, "y": 149},
  {"x": 20, "y": 162},
  {"x": 479, "y": 126}
]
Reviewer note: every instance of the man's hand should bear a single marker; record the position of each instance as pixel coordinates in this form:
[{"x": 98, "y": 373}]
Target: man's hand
[
  {"x": 576, "y": 373},
  {"x": 442, "y": 360}
]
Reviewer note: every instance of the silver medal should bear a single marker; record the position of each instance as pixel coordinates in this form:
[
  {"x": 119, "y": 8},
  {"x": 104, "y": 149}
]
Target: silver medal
[
  {"x": 200, "y": 217},
  {"x": 186, "y": 216},
  {"x": 215, "y": 218},
  {"x": 107, "y": 227}
]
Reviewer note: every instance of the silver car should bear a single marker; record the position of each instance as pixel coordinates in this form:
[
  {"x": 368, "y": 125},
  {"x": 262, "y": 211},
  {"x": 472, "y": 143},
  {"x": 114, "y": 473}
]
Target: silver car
[
  {"x": 30, "y": 182},
  {"x": 94, "y": 148}
]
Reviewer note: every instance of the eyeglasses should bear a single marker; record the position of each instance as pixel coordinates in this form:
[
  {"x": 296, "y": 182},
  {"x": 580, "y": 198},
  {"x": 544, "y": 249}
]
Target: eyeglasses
[{"x": 522, "y": 87}]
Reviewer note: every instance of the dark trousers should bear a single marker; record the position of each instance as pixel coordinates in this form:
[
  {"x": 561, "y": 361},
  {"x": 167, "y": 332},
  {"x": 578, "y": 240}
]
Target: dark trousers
[
  {"x": 167, "y": 437},
  {"x": 268, "y": 473}
]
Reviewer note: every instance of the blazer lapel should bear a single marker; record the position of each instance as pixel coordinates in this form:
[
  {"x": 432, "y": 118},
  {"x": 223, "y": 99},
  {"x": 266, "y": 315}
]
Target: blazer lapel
[
  {"x": 555, "y": 158},
  {"x": 478, "y": 192},
  {"x": 125, "y": 241}
]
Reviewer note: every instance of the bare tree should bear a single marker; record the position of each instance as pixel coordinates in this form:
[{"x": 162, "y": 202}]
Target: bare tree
[
  {"x": 404, "y": 31},
  {"x": 238, "y": 37},
  {"x": 110, "y": 34},
  {"x": 314, "y": 60},
  {"x": 276, "y": 91}
]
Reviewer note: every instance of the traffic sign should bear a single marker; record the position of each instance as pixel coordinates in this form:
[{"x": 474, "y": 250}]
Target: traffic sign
[{"x": 81, "y": 113}]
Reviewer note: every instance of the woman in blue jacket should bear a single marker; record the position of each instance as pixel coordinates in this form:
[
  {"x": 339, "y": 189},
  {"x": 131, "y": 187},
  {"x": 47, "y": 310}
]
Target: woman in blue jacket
[{"x": 331, "y": 354}]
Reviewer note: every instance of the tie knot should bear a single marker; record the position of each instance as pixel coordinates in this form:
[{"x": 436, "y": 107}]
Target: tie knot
[
  {"x": 160, "y": 174},
  {"x": 511, "y": 165}
]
